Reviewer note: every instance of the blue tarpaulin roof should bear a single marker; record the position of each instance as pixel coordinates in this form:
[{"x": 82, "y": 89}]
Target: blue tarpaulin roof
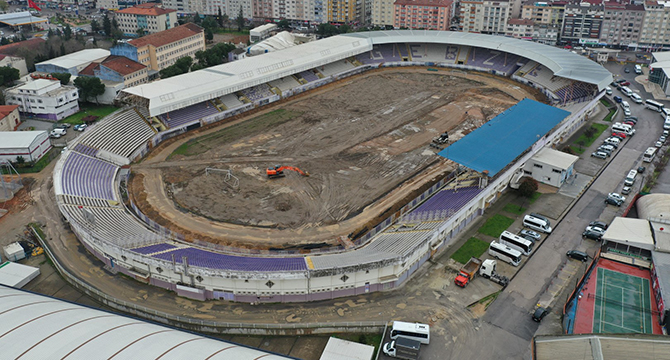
[{"x": 501, "y": 140}]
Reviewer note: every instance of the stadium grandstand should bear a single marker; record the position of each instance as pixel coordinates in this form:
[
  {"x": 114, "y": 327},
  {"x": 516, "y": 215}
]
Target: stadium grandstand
[
  {"x": 41, "y": 327},
  {"x": 87, "y": 177}
]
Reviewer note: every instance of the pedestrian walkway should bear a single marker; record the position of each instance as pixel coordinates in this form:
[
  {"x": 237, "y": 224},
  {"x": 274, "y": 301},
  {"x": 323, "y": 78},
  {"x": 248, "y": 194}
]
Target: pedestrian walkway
[
  {"x": 652, "y": 88},
  {"x": 575, "y": 185}
]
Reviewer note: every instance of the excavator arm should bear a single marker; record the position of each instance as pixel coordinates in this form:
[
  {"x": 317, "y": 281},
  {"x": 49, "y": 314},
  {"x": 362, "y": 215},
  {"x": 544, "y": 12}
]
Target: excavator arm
[{"x": 278, "y": 171}]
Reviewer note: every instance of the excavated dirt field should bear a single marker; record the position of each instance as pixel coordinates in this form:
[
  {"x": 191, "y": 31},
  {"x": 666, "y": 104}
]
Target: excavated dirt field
[{"x": 358, "y": 141}]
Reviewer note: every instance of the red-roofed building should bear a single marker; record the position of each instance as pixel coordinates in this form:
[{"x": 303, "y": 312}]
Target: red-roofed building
[
  {"x": 9, "y": 117},
  {"x": 422, "y": 14},
  {"x": 150, "y": 17},
  {"x": 118, "y": 69}
]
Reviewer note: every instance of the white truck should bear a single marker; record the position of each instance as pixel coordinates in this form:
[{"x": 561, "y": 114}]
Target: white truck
[
  {"x": 402, "y": 348},
  {"x": 488, "y": 271}
]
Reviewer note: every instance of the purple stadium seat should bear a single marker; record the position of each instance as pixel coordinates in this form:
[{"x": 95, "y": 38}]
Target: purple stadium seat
[
  {"x": 88, "y": 177},
  {"x": 450, "y": 200},
  {"x": 180, "y": 117},
  {"x": 154, "y": 248},
  {"x": 207, "y": 259}
]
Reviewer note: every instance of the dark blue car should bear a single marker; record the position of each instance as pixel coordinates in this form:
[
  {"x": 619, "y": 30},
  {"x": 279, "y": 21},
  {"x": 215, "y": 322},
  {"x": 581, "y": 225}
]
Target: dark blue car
[{"x": 618, "y": 99}]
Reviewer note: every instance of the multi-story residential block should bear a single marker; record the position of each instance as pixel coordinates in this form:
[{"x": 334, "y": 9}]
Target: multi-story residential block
[
  {"x": 520, "y": 28},
  {"x": 188, "y": 6},
  {"x": 303, "y": 10},
  {"x": 383, "y": 13},
  {"x": 547, "y": 13},
  {"x": 343, "y": 11},
  {"x": 9, "y": 117},
  {"x": 485, "y": 16},
  {"x": 656, "y": 25},
  {"x": 546, "y": 34},
  {"x": 622, "y": 23},
  {"x": 114, "y": 5},
  {"x": 118, "y": 69},
  {"x": 582, "y": 23},
  {"x": 160, "y": 50},
  {"x": 150, "y": 17},
  {"x": 44, "y": 99},
  {"x": 423, "y": 14}
]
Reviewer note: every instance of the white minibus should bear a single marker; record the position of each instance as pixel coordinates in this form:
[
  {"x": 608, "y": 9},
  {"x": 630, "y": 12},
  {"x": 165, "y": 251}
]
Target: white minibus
[
  {"x": 649, "y": 154},
  {"x": 505, "y": 253},
  {"x": 516, "y": 242},
  {"x": 537, "y": 223},
  {"x": 414, "y": 331}
]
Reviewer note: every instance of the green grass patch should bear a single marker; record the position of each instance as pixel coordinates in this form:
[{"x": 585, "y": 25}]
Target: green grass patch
[
  {"x": 41, "y": 164},
  {"x": 262, "y": 123},
  {"x": 514, "y": 209},
  {"x": 610, "y": 115},
  {"x": 605, "y": 102},
  {"x": 495, "y": 225},
  {"x": 472, "y": 248},
  {"x": 583, "y": 142},
  {"x": 534, "y": 197},
  {"x": 89, "y": 109}
]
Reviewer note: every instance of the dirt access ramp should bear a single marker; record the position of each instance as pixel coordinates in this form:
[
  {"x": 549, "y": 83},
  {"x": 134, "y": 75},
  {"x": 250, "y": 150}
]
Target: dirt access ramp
[{"x": 360, "y": 141}]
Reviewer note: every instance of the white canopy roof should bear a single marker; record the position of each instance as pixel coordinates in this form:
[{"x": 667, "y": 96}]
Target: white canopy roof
[
  {"x": 20, "y": 18},
  {"x": 39, "y": 327},
  {"x": 76, "y": 59},
  {"x": 206, "y": 84},
  {"x": 634, "y": 232},
  {"x": 18, "y": 139}
]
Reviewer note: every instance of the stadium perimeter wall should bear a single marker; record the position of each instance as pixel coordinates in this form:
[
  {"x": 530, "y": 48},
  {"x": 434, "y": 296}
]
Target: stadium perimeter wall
[{"x": 312, "y": 284}]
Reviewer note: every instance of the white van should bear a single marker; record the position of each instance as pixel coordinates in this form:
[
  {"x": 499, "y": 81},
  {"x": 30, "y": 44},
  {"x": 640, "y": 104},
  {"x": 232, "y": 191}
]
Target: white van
[
  {"x": 636, "y": 98},
  {"x": 626, "y": 90},
  {"x": 630, "y": 178},
  {"x": 537, "y": 223},
  {"x": 625, "y": 105},
  {"x": 638, "y": 69},
  {"x": 666, "y": 124}
]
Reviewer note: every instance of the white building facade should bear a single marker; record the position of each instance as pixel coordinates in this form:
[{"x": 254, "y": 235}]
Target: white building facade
[
  {"x": 44, "y": 99},
  {"x": 29, "y": 145},
  {"x": 486, "y": 17},
  {"x": 551, "y": 167}
]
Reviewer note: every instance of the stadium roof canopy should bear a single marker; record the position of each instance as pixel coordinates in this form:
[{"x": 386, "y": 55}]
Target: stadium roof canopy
[
  {"x": 501, "y": 140},
  {"x": 599, "y": 347},
  {"x": 206, "y": 84},
  {"x": 40, "y": 327},
  {"x": 21, "y": 18}
]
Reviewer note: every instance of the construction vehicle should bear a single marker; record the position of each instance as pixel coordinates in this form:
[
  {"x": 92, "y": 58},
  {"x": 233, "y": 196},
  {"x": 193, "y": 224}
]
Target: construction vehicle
[
  {"x": 277, "y": 171},
  {"x": 468, "y": 272},
  {"x": 488, "y": 270},
  {"x": 442, "y": 139}
]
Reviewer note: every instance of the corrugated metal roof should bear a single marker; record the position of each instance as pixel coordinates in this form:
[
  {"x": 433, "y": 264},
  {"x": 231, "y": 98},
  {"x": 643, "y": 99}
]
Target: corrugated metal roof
[
  {"x": 596, "y": 347},
  {"x": 76, "y": 59},
  {"x": 206, "y": 84},
  {"x": 497, "y": 143},
  {"x": 19, "y": 139},
  {"x": 40, "y": 327}
]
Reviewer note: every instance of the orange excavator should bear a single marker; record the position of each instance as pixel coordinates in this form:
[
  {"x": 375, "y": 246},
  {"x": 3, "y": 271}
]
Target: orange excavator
[{"x": 277, "y": 171}]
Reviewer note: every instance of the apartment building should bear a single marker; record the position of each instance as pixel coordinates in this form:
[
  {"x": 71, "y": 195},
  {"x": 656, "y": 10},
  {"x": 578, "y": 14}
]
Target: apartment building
[
  {"x": 44, "y": 99},
  {"x": 656, "y": 25},
  {"x": 343, "y": 11},
  {"x": 622, "y": 23},
  {"x": 546, "y": 34},
  {"x": 160, "y": 50},
  {"x": 547, "y": 13},
  {"x": 151, "y": 17},
  {"x": 422, "y": 14},
  {"x": 520, "y": 28},
  {"x": 484, "y": 16},
  {"x": 188, "y": 6},
  {"x": 114, "y": 5},
  {"x": 582, "y": 23},
  {"x": 118, "y": 69},
  {"x": 383, "y": 13}
]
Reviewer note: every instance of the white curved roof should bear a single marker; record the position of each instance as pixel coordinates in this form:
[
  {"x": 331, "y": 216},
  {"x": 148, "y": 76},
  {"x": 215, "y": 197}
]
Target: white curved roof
[
  {"x": 40, "y": 327},
  {"x": 206, "y": 84},
  {"x": 562, "y": 62}
]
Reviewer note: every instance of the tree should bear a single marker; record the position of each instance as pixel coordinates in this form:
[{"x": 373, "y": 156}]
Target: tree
[
  {"x": 326, "y": 30},
  {"x": 184, "y": 64},
  {"x": 196, "y": 18},
  {"x": 95, "y": 27},
  {"x": 4, "y": 41},
  {"x": 590, "y": 132},
  {"x": 219, "y": 18},
  {"x": 344, "y": 29},
  {"x": 284, "y": 24},
  {"x": 62, "y": 49},
  {"x": 51, "y": 53},
  {"x": 107, "y": 26},
  {"x": 528, "y": 187},
  {"x": 225, "y": 20},
  {"x": 240, "y": 20},
  {"x": 209, "y": 35},
  {"x": 63, "y": 77},
  {"x": 9, "y": 74},
  {"x": 140, "y": 32},
  {"x": 89, "y": 87},
  {"x": 210, "y": 23},
  {"x": 67, "y": 33},
  {"x": 4, "y": 5}
]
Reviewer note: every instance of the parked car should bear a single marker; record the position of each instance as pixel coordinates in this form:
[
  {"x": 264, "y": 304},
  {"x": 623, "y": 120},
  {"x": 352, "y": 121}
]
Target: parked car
[
  {"x": 54, "y": 135},
  {"x": 608, "y": 90},
  {"x": 617, "y": 99},
  {"x": 619, "y": 135},
  {"x": 530, "y": 235},
  {"x": 540, "y": 313},
  {"x": 615, "y": 199},
  {"x": 626, "y": 111},
  {"x": 595, "y": 229},
  {"x": 662, "y": 139},
  {"x": 599, "y": 155},
  {"x": 600, "y": 224},
  {"x": 641, "y": 169},
  {"x": 577, "y": 255},
  {"x": 625, "y": 83},
  {"x": 592, "y": 235},
  {"x": 62, "y": 126},
  {"x": 626, "y": 190},
  {"x": 626, "y": 70},
  {"x": 80, "y": 127},
  {"x": 628, "y": 123},
  {"x": 620, "y": 81},
  {"x": 658, "y": 144},
  {"x": 607, "y": 151}
]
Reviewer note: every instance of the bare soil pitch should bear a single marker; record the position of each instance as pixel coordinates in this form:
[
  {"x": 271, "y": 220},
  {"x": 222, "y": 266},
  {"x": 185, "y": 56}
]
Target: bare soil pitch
[{"x": 358, "y": 140}]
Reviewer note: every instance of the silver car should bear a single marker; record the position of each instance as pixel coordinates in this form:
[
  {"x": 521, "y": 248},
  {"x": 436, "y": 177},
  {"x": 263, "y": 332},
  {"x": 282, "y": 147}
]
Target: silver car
[{"x": 599, "y": 155}]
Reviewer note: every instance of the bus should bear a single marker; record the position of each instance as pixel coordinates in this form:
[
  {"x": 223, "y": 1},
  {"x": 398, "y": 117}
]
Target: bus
[
  {"x": 414, "y": 331},
  {"x": 665, "y": 113},
  {"x": 505, "y": 253},
  {"x": 649, "y": 154},
  {"x": 516, "y": 242},
  {"x": 653, "y": 105}
]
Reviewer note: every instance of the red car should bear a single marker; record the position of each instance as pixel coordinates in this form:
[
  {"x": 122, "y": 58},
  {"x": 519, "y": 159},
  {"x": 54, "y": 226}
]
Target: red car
[
  {"x": 620, "y": 135},
  {"x": 629, "y": 123},
  {"x": 625, "y": 83}
]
